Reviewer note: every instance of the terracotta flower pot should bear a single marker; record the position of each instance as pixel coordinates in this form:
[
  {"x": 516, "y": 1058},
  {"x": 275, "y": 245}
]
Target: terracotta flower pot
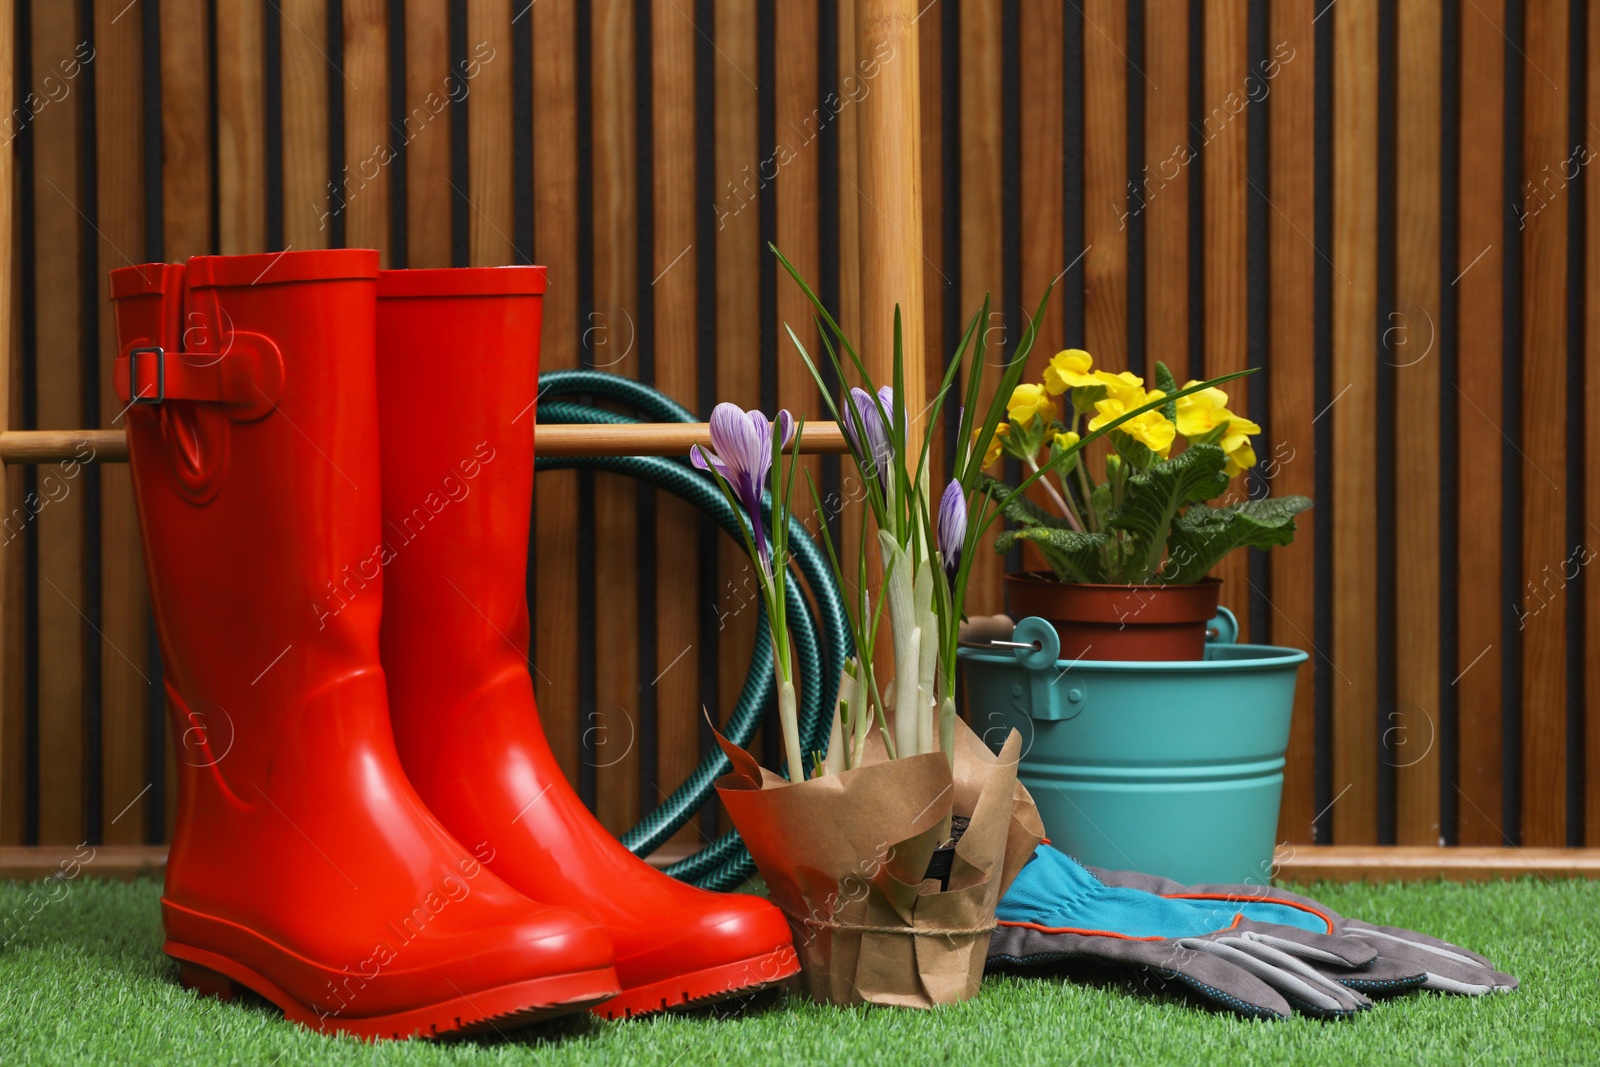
[{"x": 1119, "y": 622}]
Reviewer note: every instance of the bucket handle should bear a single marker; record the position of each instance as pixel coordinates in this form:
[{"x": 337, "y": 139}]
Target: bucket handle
[{"x": 1223, "y": 629}]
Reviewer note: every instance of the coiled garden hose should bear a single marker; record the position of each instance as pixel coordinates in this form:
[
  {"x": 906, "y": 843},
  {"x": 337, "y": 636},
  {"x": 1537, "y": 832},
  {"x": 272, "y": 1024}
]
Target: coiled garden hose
[{"x": 725, "y": 863}]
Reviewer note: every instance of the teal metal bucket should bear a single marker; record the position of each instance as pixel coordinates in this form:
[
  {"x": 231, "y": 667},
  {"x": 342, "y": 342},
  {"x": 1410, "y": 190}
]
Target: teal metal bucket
[{"x": 1169, "y": 768}]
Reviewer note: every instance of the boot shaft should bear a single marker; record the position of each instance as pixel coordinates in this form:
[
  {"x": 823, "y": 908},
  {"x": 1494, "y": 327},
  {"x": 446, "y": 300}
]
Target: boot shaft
[
  {"x": 458, "y": 372},
  {"x": 252, "y": 435}
]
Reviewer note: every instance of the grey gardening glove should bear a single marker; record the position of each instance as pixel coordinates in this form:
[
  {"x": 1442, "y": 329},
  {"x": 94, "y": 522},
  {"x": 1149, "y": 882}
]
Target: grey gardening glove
[
  {"x": 1403, "y": 958},
  {"x": 1222, "y": 949}
]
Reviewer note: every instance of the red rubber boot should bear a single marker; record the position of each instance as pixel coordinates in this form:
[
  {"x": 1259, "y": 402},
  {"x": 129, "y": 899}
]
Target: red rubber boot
[
  {"x": 458, "y": 354},
  {"x": 303, "y": 866}
]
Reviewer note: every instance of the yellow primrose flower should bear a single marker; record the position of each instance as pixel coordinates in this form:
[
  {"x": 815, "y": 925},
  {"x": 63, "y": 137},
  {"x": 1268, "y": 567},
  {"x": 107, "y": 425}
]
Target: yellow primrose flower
[
  {"x": 1201, "y": 413},
  {"x": 1028, "y": 400},
  {"x": 1066, "y": 440},
  {"x": 1150, "y": 429},
  {"x": 996, "y": 443},
  {"x": 1241, "y": 458},
  {"x": 1070, "y": 367},
  {"x": 1124, "y": 386}
]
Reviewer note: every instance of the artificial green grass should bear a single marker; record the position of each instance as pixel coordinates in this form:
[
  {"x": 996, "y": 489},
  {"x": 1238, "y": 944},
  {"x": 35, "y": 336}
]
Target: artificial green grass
[{"x": 84, "y": 981}]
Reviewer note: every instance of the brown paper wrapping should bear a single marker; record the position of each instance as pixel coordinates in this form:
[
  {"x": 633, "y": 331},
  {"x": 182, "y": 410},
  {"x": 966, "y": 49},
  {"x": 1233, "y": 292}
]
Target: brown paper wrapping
[{"x": 844, "y": 857}]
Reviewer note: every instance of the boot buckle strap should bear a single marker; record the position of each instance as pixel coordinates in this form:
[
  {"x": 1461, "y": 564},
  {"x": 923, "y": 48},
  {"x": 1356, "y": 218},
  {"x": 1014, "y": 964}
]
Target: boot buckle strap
[
  {"x": 139, "y": 395},
  {"x": 247, "y": 377}
]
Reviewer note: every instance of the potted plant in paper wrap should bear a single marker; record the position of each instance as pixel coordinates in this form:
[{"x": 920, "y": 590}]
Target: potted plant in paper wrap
[
  {"x": 1129, "y": 551},
  {"x": 889, "y": 851}
]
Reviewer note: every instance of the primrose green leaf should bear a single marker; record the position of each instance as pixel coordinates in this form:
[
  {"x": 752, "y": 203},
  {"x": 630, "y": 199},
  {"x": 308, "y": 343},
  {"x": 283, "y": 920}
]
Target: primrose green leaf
[
  {"x": 1203, "y": 535},
  {"x": 1153, "y": 498}
]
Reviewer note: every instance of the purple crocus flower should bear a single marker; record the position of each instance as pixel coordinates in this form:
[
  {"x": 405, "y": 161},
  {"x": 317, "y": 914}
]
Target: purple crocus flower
[
  {"x": 876, "y": 448},
  {"x": 741, "y": 452},
  {"x": 952, "y": 530}
]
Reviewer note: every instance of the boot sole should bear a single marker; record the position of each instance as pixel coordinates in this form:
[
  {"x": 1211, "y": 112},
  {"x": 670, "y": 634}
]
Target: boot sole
[
  {"x": 506, "y": 1007},
  {"x": 700, "y": 988}
]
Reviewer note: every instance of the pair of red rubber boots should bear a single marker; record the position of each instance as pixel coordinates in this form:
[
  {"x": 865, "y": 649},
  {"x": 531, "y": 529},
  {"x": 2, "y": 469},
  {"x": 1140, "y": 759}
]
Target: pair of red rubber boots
[{"x": 334, "y": 474}]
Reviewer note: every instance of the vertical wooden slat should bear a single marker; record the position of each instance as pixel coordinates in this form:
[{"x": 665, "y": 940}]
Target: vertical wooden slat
[
  {"x": 1591, "y": 472},
  {"x": 613, "y": 346},
  {"x": 1226, "y": 142},
  {"x": 798, "y": 122},
  {"x": 240, "y": 135},
  {"x": 427, "y": 124},
  {"x": 1163, "y": 188},
  {"x": 935, "y": 278},
  {"x": 1412, "y": 337},
  {"x": 555, "y": 228},
  {"x": 124, "y": 613},
  {"x": 1544, "y": 427},
  {"x": 185, "y": 131},
  {"x": 673, "y": 269},
  {"x": 1105, "y": 181},
  {"x": 364, "y": 187},
  {"x": 186, "y": 180},
  {"x": 738, "y": 252},
  {"x": 1043, "y": 255},
  {"x": 308, "y": 75},
  {"x": 488, "y": 78},
  {"x": 981, "y": 191},
  {"x": 62, "y": 589},
  {"x": 1287, "y": 460},
  {"x": 888, "y": 158},
  {"x": 1478, "y": 401},
  {"x": 1355, "y": 383}
]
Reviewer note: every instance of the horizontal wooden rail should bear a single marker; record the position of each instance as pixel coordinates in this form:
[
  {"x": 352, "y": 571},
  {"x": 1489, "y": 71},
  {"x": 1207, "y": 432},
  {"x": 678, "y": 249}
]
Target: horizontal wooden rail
[
  {"x": 1300, "y": 863},
  {"x": 1408, "y": 863},
  {"x": 556, "y": 439}
]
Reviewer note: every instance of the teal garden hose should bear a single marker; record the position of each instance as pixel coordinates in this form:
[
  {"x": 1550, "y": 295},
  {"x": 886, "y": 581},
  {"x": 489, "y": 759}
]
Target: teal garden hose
[{"x": 725, "y": 863}]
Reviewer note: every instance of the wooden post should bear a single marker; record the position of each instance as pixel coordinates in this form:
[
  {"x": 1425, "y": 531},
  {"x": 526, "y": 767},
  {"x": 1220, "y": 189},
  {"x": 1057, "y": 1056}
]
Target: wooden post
[{"x": 889, "y": 154}]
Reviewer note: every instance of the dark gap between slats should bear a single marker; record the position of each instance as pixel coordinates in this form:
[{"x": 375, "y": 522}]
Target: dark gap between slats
[
  {"x": 1137, "y": 326},
  {"x": 587, "y": 630},
  {"x": 705, "y": 239},
  {"x": 336, "y": 112},
  {"x": 1388, "y": 711},
  {"x": 214, "y": 192},
  {"x": 1449, "y": 426},
  {"x": 649, "y": 704},
  {"x": 460, "y": 144},
  {"x": 1322, "y": 360},
  {"x": 1577, "y": 499},
  {"x": 1012, "y": 301},
  {"x": 89, "y": 400},
  {"x": 1197, "y": 190},
  {"x": 828, "y": 222},
  {"x": 271, "y": 123},
  {"x": 398, "y": 246},
  {"x": 767, "y": 273},
  {"x": 952, "y": 313},
  {"x": 522, "y": 232},
  {"x": 155, "y": 752},
  {"x": 1511, "y": 458},
  {"x": 1258, "y": 298},
  {"x": 1071, "y": 178},
  {"x": 28, "y": 290}
]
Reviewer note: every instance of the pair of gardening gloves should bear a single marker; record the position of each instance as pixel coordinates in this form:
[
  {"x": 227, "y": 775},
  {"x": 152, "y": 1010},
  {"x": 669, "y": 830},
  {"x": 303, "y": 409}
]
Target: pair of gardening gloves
[{"x": 1257, "y": 951}]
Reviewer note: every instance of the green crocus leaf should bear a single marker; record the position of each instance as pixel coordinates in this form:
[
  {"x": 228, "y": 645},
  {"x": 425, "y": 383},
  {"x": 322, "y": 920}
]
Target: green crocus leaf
[
  {"x": 1203, "y": 535},
  {"x": 1073, "y": 556},
  {"x": 1152, "y": 499}
]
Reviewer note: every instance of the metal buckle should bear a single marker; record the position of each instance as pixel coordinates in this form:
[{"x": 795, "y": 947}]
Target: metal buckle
[{"x": 161, "y": 375}]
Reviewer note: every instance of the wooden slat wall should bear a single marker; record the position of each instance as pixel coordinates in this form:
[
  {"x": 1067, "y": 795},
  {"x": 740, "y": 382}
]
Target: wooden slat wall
[{"x": 1381, "y": 204}]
